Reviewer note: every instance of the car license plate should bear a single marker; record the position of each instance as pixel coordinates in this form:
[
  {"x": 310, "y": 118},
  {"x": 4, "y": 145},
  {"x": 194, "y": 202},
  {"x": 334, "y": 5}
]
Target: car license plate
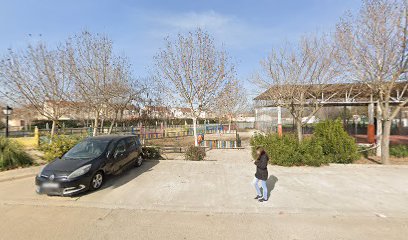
[{"x": 50, "y": 185}]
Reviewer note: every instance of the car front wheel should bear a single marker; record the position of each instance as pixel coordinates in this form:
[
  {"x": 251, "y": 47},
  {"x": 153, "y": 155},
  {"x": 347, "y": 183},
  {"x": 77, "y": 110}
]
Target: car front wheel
[{"x": 97, "y": 180}]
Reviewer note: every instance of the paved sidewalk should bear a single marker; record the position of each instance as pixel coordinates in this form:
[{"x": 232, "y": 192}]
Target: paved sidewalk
[
  {"x": 225, "y": 186},
  {"x": 214, "y": 200}
]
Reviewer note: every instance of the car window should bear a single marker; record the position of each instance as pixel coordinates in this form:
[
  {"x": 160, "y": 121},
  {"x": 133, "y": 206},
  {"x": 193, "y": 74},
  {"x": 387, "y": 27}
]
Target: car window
[
  {"x": 137, "y": 142},
  {"x": 130, "y": 143},
  {"x": 89, "y": 148},
  {"x": 121, "y": 147},
  {"x": 111, "y": 148}
]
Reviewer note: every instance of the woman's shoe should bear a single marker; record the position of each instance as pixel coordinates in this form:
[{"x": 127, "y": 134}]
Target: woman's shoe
[{"x": 258, "y": 197}]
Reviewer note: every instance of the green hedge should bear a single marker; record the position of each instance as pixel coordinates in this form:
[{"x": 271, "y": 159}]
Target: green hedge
[
  {"x": 12, "y": 155},
  {"x": 399, "y": 151},
  {"x": 329, "y": 144},
  {"x": 59, "y": 145},
  {"x": 337, "y": 145},
  {"x": 287, "y": 151}
]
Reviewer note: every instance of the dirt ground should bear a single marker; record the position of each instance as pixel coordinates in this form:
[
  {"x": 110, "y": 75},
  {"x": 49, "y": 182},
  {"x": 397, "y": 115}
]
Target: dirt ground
[
  {"x": 377, "y": 160},
  {"x": 172, "y": 141}
]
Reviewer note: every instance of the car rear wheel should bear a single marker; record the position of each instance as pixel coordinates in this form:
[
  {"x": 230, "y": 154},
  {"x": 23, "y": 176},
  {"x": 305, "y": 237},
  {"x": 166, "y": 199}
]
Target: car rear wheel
[
  {"x": 97, "y": 180},
  {"x": 139, "y": 160}
]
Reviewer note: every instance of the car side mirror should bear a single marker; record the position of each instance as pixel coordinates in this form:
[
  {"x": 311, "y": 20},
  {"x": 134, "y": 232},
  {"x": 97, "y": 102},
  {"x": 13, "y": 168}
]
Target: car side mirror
[{"x": 62, "y": 155}]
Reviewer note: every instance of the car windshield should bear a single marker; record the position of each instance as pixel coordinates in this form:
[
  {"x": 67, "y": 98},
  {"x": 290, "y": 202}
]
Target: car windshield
[{"x": 89, "y": 148}]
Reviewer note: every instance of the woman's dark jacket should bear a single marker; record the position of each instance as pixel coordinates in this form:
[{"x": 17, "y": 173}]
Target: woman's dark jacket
[{"x": 262, "y": 167}]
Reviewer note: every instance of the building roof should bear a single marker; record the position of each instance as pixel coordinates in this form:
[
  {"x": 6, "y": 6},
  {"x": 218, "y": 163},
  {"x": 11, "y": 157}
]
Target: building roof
[{"x": 339, "y": 94}]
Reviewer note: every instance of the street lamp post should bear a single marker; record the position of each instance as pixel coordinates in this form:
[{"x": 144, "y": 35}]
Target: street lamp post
[{"x": 7, "y": 111}]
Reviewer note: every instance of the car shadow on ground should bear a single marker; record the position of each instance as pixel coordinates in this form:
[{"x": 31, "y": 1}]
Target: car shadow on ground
[
  {"x": 270, "y": 184},
  {"x": 127, "y": 175}
]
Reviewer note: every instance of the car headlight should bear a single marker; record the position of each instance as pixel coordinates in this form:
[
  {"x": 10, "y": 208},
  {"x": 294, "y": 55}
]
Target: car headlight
[{"x": 80, "y": 171}]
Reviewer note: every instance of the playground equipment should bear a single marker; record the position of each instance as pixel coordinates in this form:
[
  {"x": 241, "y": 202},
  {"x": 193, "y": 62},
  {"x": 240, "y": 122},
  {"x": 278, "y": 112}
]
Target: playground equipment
[{"x": 221, "y": 144}]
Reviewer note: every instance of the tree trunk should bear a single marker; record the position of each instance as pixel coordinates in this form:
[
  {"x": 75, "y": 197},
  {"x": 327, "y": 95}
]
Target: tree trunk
[
  {"x": 113, "y": 123},
  {"x": 54, "y": 124},
  {"x": 95, "y": 130},
  {"x": 102, "y": 122},
  {"x": 299, "y": 129},
  {"x": 220, "y": 125},
  {"x": 195, "y": 131},
  {"x": 385, "y": 142},
  {"x": 229, "y": 124}
]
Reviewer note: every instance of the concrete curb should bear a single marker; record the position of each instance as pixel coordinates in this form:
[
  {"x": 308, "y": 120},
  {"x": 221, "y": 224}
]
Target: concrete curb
[
  {"x": 20, "y": 173},
  {"x": 17, "y": 177}
]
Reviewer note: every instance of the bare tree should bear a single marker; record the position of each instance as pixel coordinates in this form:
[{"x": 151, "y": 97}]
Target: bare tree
[
  {"x": 191, "y": 72},
  {"x": 90, "y": 58},
  {"x": 38, "y": 77},
  {"x": 231, "y": 101},
  {"x": 373, "y": 48},
  {"x": 102, "y": 80},
  {"x": 296, "y": 77},
  {"x": 125, "y": 90}
]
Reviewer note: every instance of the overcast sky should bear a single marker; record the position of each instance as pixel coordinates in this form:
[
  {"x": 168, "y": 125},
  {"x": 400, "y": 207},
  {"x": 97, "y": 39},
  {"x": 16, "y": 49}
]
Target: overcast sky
[{"x": 247, "y": 29}]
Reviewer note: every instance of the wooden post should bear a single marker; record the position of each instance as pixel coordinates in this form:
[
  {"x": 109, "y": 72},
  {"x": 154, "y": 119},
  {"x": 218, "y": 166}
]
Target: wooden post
[{"x": 36, "y": 136}]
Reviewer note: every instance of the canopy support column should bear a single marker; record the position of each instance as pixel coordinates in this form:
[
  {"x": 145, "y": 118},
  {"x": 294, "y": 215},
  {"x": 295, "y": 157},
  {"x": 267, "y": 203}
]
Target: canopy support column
[
  {"x": 279, "y": 121},
  {"x": 370, "y": 127},
  {"x": 379, "y": 130}
]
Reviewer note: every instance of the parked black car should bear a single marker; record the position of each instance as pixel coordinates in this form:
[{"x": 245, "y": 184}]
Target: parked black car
[{"x": 85, "y": 166}]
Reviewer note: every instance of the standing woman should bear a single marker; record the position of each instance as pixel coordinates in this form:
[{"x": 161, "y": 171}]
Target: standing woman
[{"x": 261, "y": 174}]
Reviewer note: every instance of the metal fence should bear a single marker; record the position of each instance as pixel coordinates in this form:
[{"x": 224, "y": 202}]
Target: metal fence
[
  {"x": 146, "y": 132},
  {"x": 351, "y": 128}
]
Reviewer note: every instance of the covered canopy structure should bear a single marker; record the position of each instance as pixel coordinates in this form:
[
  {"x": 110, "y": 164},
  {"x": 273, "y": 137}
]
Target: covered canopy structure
[{"x": 342, "y": 94}]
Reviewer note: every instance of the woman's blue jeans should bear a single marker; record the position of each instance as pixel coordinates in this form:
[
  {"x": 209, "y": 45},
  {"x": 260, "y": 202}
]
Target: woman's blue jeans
[{"x": 255, "y": 182}]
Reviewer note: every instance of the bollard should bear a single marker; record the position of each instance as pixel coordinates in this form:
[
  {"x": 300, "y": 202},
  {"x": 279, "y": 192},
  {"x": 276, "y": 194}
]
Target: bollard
[
  {"x": 36, "y": 136},
  {"x": 90, "y": 131}
]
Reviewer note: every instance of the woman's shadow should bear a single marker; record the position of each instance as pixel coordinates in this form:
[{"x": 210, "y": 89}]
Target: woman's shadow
[{"x": 270, "y": 184}]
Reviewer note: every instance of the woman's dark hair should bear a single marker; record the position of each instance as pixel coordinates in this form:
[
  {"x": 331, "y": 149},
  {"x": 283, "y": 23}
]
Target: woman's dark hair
[{"x": 262, "y": 150}]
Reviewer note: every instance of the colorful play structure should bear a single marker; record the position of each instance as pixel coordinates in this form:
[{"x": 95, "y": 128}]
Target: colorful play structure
[{"x": 221, "y": 144}]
